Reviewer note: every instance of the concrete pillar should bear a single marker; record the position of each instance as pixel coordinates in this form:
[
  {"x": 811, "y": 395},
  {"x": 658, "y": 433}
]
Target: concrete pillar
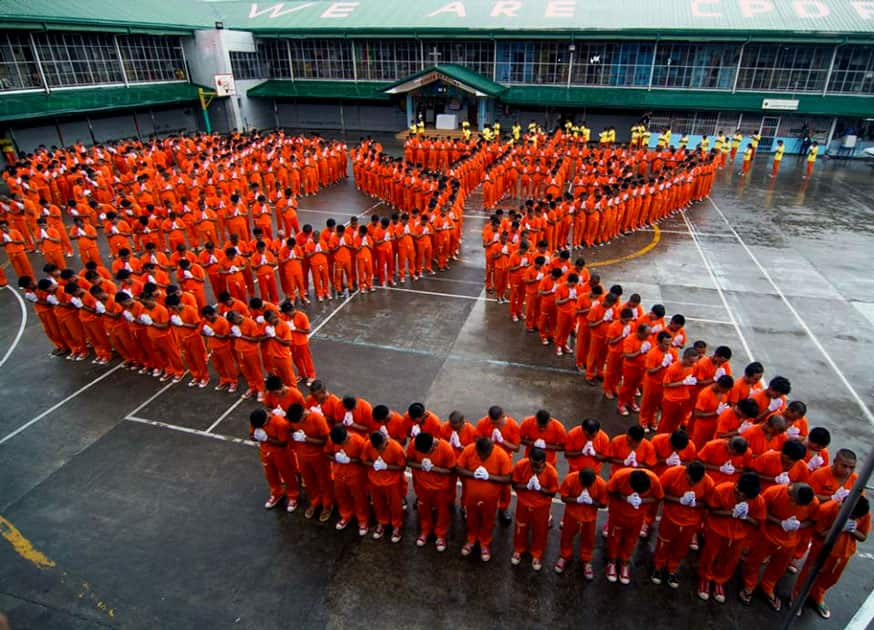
[
  {"x": 481, "y": 113},
  {"x": 411, "y": 111}
]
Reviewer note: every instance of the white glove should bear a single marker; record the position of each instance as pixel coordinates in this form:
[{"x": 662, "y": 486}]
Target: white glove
[
  {"x": 677, "y": 341},
  {"x": 688, "y": 499},
  {"x": 299, "y": 436},
  {"x": 481, "y": 473},
  {"x": 341, "y": 457},
  {"x": 589, "y": 449},
  {"x": 177, "y": 321},
  {"x": 608, "y": 315},
  {"x": 379, "y": 464},
  {"x": 415, "y": 430},
  {"x": 634, "y": 500},
  {"x": 793, "y": 432},
  {"x": 740, "y": 510},
  {"x": 585, "y": 497},
  {"x": 187, "y": 274},
  {"x": 722, "y": 407},
  {"x": 270, "y": 331},
  {"x": 348, "y": 420},
  {"x": 540, "y": 443},
  {"x": 505, "y": 250},
  {"x": 626, "y": 330},
  {"x": 840, "y": 494},
  {"x": 790, "y": 524},
  {"x": 151, "y": 279},
  {"x": 720, "y": 372},
  {"x": 782, "y": 478},
  {"x": 31, "y": 297},
  {"x": 291, "y": 325},
  {"x": 454, "y": 440},
  {"x": 644, "y": 347},
  {"x": 145, "y": 319},
  {"x": 260, "y": 319},
  {"x": 815, "y": 462},
  {"x": 427, "y": 465},
  {"x": 126, "y": 314},
  {"x": 775, "y": 404},
  {"x": 572, "y": 294},
  {"x": 673, "y": 459},
  {"x": 745, "y": 426},
  {"x": 727, "y": 468},
  {"x": 631, "y": 460},
  {"x": 669, "y": 358},
  {"x": 114, "y": 230},
  {"x": 209, "y": 332},
  {"x": 7, "y": 238},
  {"x": 533, "y": 483},
  {"x": 236, "y": 332},
  {"x": 497, "y": 436},
  {"x": 100, "y": 308},
  {"x": 259, "y": 435},
  {"x": 233, "y": 269},
  {"x": 77, "y": 302},
  {"x": 690, "y": 380},
  {"x": 317, "y": 409},
  {"x": 850, "y": 525},
  {"x": 383, "y": 429},
  {"x": 278, "y": 411}
]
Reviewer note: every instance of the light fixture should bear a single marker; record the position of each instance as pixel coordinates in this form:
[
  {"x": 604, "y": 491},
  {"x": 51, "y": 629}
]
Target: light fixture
[{"x": 219, "y": 25}]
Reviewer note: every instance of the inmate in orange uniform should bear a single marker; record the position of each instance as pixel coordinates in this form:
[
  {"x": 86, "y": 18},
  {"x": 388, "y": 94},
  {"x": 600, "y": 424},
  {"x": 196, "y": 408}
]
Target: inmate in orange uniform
[
  {"x": 536, "y": 482},
  {"x": 629, "y": 490},
  {"x": 432, "y": 461},
  {"x": 386, "y": 461},
  {"x": 685, "y": 489},
  {"x": 350, "y": 477},
  {"x": 309, "y": 439},
  {"x": 272, "y": 435},
  {"x": 486, "y": 468},
  {"x": 583, "y": 493}
]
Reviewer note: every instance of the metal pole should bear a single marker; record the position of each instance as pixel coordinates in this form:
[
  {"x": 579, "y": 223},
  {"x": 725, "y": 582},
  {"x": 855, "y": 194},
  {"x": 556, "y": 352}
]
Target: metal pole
[
  {"x": 831, "y": 67},
  {"x": 120, "y": 60},
  {"x": 290, "y": 61},
  {"x": 655, "y": 50},
  {"x": 830, "y": 540},
  {"x": 737, "y": 69},
  {"x": 570, "y": 65},
  {"x": 354, "y": 61},
  {"x": 42, "y": 74}
]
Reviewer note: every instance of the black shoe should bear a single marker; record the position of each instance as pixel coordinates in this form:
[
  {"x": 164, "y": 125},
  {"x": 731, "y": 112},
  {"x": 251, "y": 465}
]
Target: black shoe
[
  {"x": 658, "y": 575},
  {"x": 674, "y": 580}
]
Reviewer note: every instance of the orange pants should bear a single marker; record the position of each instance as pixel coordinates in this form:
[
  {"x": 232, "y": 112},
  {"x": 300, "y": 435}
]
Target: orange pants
[
  {"x": 828, "y": 576},
  {"x": 195, "y": 357},
  {"x": 279, "y": 468},
  {"x": 52, "y": 330},
  {"x": 281, "y": 367},
  {"x": 431, "y": 501},
  {"x": 563, "y": 324},
  {"x": 21, "y": 265},
  {"x": 631, "y": 378},
  {"x": 73, "y": 334},
  {"x": 303, "y": 361},
  {"x": 167, "y": 351},
  {"x": 365, "y": 272},
  {"x": 406, "y": 262},
  {"x": 613, "y": 370},
  {"x": 775, "y": 168},
  {"x": 123, "y": 341},
  {"x": 532, "y": 310},
  {"x": 55, "y": 257},
  {"x": 321, "y": 279},
  {"x": 316, "y": 473},
  {"x": 582, "y": 348},
  {"x": 90, "y": 254},
  {"x": 501, "y": 281},
  {"x": 517, "y": 298},
  {"x": 342, "y": 267},
  {"x": 569, "y": 529},
  {"x": 719, "y": 557},
  {"x": 96, "y": 334},
  {"x": 762, "y": 548},
  {"x": 224, "y": 363},
  {"x": 250, "y": 366},
  {"x": 423, "y": 258},
  {"x": 672, "y": 544},
  {"x": 650, "y": 403},
  {"x": 481, "y": 514},
  {"x": 385, "y": 264},
  {"x": 531, "y": 522},
  {"x": 388, "y": 504},
  {"x": 596, "y": 356},
  {"x": 291, "y": 279},
  {"x": 351, "y": 498},
  {"x": 674, "y": 415},
  {"x": 546, "y": 321},
  {"x": 267, "y": 283},
  {"x": 236, "y": 287},
  {"x": 810, "y": 169},
  {"x": 622, "y": 537}
]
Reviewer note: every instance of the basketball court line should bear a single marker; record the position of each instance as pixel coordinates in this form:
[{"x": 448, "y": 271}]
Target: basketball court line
[{"x": 21, "y": 326}]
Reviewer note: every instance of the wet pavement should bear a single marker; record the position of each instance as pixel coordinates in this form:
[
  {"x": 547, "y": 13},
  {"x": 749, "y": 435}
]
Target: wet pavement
[{"x": 149, "y": 526}]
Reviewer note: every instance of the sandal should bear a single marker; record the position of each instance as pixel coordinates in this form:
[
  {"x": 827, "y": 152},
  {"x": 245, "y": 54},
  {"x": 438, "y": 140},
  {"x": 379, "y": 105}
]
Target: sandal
[
  {"x": 775, "y": 602},
  {"x": 745, "y": 597},
  {"x": 823, "y": 610}
]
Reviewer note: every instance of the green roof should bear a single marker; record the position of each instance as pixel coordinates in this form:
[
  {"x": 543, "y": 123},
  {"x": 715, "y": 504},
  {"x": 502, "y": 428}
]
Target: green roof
[
  {"x": 24, "y": 105},
  {"x": 343, "y": 90},
  {"x": 581, "y": 19},
  {"x": 448, "y": 72}
]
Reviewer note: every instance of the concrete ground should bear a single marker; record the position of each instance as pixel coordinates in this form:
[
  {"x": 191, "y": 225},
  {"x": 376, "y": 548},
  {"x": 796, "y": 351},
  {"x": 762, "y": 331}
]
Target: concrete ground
[{"x": 126, "y": 502}]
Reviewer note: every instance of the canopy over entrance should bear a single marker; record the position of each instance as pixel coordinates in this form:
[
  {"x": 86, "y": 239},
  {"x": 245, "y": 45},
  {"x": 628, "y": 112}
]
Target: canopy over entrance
[{"x": 457, "y": 76}]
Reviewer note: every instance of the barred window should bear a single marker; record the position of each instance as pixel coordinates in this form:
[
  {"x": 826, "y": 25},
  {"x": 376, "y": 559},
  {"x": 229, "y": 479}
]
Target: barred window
[
  {"x": 322, "y": 59},
  {"x": 270, "y": 61},
  {"x": 533, "y": 62},
  {"x": 477, "y": 55},
  {"x": 786, "y": 68},
  {"x": 612, "y": 63},
  {"x": 152, "y": 58},
  {"x": 702, "y": 66},
  {"x": 246, "y": 65},
  {"x": 853, "y": 72},
  {"x": 386, "y": 59},
  {"x": 17, "y": 66},
  {"x": 78, "y": 58}
]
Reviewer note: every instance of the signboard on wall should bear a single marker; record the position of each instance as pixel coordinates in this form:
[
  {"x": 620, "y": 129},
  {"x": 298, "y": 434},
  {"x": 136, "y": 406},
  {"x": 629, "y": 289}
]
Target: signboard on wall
[
  {"x": 225, "y": 85},
  {"x": 784, "y": 104}
]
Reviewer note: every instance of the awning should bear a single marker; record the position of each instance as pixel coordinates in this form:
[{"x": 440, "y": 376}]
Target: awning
[
  {"x": 24, "y": 105},
  {"x": 458, "y": 76},
  {"x": 337, "y": 90}
]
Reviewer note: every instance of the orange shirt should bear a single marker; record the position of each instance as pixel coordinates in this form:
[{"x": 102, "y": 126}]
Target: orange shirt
[
  {"x": 676, "y": 372},
  {"x": 644, "y": 454},
  {"x": 353, "y": 472},
  {"x": 467, "y": 435},
  {"x": 716, "y": 453},
  {"x": 315, "y": 426},
  {"x": 759, "y": 441},
  {"x": 675, "y": 482},
  {"x": 571, "y": 487},
  {"x": 510, "y": 431},
  {"x": 548, "y": 478},
  {"x": 661, "y": 444},
  {"x": 497, "y": 463},
  {"x": 250, "y": 328},
  {"x": 283, "y": 400},
  {"x": 823, "y": 481},
  {"x": 442, "y": 456},
  {"x": 577, "y": 440},
  {"x": 621, "y": 511},
  {"x": 332, "y": 407},
  {"x": 781, "y": 507},
  {"x": 393, "y": 455},
  {"x": 553, "y": 433},
  {"x": 770, "y": 464},
  {"x": 845, "y": 546},
  {"x": 722, "y": 497},
  {"x": 277, "y": 428}
]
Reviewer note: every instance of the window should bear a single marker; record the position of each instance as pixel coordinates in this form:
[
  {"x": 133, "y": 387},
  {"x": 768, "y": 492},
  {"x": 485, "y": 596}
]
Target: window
[
  {"x": 784, "y": 68},
  {"x": 701, "y": 66},
  {"x": 853, "y": 72},
  {"x": 386, "y": 59},
  {"x": 477, "y": 55},
  {"x": 78, "y": 58},
  {"x": 270, "y": 61},
  {"x": 533, "y": 62},
  {"x": 152, "y": 58},
  {"x": 322, "y": 59},
  {"x": 246, "y": 65},
  {"x": 612, "y": 63},
  {"x": 17, "y": 66}
]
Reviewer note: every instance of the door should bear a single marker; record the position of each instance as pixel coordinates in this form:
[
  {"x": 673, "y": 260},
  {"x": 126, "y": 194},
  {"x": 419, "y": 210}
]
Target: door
[{"x": 768, "y": 129}]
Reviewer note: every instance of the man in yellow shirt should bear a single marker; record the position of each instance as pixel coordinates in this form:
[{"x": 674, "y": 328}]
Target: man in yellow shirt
[
  {"x": 635, "y": 136},
  {"x": 754, "y": 142},
  {"x": 778, "y": 157},
  {"x": 811, "y": 159},
  {"x": 735, "y": 145},
  {"x": 684, "y": 141},
  {"x": 748, "y": 159},
  {"x": 705, "y": 144}
]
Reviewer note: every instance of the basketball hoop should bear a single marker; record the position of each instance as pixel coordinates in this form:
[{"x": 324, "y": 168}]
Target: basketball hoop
[{"x": 225, "y": 85}]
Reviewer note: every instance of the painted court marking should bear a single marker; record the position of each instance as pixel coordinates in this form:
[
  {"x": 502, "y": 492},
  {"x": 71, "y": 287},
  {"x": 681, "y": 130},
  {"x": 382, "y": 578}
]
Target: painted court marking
[
  {"x": 451, "y": 295},
  {"x": 656, "y": 237},
  {"x": 816, "y": 342},
  {"x": 21, "y": 326}
]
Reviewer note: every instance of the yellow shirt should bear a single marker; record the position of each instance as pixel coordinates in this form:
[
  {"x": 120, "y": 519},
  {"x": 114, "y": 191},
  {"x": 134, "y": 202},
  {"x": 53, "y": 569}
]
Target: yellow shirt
[
  {"x": 705, "y": 143},
  {"x": 754, "y": 140},
  {"x": 611, "y": 136},
  {"x": 778, "y": 154},
  {"x": 603, "y": 137},
  {"x": 811, "y": 155},
  {"x": 748, "y": 154},
  {"x": 736, "y": 140},
  {"x": 684, "y": 140},
  {"x": 586, "y": 133}
]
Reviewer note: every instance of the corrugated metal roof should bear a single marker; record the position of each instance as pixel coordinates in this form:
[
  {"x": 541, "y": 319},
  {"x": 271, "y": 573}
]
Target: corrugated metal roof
[{"x": 581, "y": 17}]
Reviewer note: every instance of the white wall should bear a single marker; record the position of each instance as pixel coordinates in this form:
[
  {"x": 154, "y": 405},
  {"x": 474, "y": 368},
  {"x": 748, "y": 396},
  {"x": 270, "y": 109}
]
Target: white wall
[{"x": 255, "y": 113}]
